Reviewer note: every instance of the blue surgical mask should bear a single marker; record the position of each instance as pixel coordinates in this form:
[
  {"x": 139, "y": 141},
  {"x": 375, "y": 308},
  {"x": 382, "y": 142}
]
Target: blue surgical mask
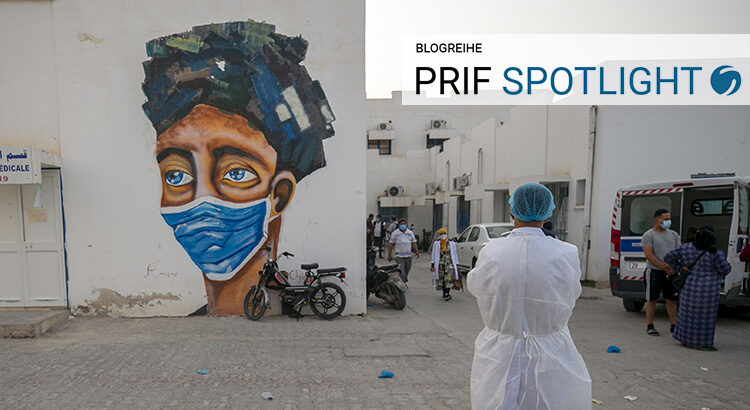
[
  {"x": 402, "y": 227},
  {"x": 219, "y": 236},
  {"x": 666, "y": 224}
]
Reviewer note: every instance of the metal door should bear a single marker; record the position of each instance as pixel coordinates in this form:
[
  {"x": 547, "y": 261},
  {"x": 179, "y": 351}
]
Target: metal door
[
  {"x": 12, "y": 276},
  {"x": 738, "y": 237},
  {"x": 34, "y": 272}
]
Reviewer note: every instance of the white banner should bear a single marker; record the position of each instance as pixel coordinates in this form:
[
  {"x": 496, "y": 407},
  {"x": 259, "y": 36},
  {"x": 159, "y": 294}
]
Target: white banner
[{"x": 661, "y": 69}]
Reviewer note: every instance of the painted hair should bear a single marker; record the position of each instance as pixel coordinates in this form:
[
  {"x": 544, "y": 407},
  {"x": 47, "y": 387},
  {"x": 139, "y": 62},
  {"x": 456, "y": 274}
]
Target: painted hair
[{"x": 243, "y": 68}]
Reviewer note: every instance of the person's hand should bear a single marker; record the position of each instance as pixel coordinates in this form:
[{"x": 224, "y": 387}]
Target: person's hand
[
  {"x": 417, "y": 255},
  {"x": 432, "y": 269},
  {"x": 390, "y": 257}
]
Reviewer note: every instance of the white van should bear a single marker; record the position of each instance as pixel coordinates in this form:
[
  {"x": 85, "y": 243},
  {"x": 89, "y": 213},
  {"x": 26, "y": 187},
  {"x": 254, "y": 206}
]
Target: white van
[{"x": 718, "y": 202}]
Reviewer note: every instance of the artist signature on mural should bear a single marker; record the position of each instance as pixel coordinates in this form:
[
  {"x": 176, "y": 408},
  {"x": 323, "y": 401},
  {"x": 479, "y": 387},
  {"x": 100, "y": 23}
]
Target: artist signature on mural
[{"x": 151, "y": 272}]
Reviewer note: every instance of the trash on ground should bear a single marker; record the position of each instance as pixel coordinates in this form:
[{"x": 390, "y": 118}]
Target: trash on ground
[
  {"x": 631, "y": 398},
  {"x": 613, "y": 349},
  {"x": 71, "y": 317},
  {"x": 369, "y": 305},
  {"x": 595, "y": 401},
  {"x": 266, "y": 395},
  {"x": 705, "y": 369},
  {"x": 385, "y": 374},
  {"x": 203, "y": 371}
]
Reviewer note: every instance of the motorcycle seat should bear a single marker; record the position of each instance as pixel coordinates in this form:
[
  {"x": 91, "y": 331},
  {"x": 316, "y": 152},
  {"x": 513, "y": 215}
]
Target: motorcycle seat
[
  {"x": 331, "y": 270},
  {"x": 309, "y": 266},
  {"x": 389, "y": 267}
]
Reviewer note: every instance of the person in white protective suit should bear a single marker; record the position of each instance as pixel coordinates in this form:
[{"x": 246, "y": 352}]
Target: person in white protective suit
[{"x": 526, "y": 286}]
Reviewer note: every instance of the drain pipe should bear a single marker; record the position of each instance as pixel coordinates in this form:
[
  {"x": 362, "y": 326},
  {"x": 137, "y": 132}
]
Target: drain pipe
[{"x": 586, "y": 245}]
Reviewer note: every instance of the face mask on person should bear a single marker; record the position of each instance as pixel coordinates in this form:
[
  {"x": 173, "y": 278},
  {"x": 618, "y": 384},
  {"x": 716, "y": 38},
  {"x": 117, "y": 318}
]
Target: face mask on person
[
  {"x": 666, "y": 224},
  {"x": 443, "y": 237},
  {"x": 402, "y": 227},
  {"x": 219, "y": 236}
]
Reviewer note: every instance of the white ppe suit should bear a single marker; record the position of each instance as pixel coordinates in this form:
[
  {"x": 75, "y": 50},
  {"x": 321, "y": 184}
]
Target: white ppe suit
[{"x": 526, "y": 285}]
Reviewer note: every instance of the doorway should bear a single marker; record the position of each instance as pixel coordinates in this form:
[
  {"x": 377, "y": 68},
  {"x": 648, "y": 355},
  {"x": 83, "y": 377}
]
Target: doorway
[{"x": 32, "y": 260}]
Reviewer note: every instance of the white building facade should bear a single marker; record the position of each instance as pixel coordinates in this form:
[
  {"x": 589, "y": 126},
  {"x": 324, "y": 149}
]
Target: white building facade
[{"x": 582, "y": 153}]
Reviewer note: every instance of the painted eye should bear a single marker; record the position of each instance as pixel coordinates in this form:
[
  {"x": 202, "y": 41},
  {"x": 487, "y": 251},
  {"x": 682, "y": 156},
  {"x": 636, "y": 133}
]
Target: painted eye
[
  {"x": 177, "y": 178},
  {"x": 239, "y": 175}
]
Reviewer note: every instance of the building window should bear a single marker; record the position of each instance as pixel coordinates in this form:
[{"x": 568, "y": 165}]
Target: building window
[
  {"x": 580, "y": 192},
  {"x": 383, "y": 146},
  {"x": 560, "y": 214},
  {"x": 435, "y": 143}
]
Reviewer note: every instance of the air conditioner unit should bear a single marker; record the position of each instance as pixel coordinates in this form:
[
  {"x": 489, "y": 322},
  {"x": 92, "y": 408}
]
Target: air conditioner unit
[
  {"x": 394, "y": 190},
  {"x": 437, "y": 124},
  {"x": 430, "y": 188},
  {"x": 385, "y": 126}
]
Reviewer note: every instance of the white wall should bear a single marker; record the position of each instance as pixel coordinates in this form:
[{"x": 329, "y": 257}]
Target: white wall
[
  {"x": 28, "y": 82},
  {"x": 111, "y": 181},
  {"x": 641, "y": 144},
  {"x": 412, "y": 122}
]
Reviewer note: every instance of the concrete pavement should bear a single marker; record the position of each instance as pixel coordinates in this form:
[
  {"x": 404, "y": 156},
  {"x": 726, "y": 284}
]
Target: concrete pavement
[{"x": 146, "y": 363}]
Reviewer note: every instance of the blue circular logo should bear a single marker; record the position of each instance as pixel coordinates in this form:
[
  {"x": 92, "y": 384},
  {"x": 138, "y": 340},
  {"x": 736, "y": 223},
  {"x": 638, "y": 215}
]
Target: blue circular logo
[{"x": 722, "y": 79}]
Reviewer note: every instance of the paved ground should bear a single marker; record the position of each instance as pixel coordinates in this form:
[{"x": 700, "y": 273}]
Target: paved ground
[{"x": 137, "y": 363}]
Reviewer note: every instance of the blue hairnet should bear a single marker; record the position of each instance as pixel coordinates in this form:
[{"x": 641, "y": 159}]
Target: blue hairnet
[{"x": 531, "y": 202}]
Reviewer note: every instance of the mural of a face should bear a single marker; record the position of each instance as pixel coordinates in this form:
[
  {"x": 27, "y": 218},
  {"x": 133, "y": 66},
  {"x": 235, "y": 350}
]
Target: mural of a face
[{"x": 238, "y": 122}]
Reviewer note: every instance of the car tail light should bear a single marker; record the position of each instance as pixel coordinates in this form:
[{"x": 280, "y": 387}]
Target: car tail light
[{"x": 614, "y": 249}]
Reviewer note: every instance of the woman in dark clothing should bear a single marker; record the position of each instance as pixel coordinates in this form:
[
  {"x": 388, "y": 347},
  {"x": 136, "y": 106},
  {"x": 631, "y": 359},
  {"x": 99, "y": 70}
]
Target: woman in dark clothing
[{"x": 699, "y": 297}]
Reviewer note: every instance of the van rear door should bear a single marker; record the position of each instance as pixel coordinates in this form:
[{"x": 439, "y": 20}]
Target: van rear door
[
  {"x": 738, "y": 238},
  {"x": 638, "y": 217}
]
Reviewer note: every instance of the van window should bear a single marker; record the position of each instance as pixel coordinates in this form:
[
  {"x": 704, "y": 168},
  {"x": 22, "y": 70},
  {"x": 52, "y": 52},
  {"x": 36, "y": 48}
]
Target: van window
[
  {"x": 712, "y": 207},
  {"x": 744, "y": 205},
  {"x": 638, "y": 212}
]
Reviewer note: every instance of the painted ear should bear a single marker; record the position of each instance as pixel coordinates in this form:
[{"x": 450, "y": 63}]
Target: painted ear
[{"x": 282, "y": 191}]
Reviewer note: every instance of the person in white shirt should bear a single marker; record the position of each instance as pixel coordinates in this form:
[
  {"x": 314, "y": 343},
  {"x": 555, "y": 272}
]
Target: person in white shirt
[
  {"x": 526, "y": 286},
  {"x": 404, "y": 242},
  {"x": 378, "y": 232}
]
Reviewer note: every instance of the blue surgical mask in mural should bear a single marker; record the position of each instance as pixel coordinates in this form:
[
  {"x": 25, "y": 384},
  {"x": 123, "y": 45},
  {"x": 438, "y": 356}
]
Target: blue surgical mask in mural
[{"x": 219, "y": 236}]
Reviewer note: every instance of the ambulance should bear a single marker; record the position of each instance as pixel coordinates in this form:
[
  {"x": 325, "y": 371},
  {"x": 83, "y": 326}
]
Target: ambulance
[{"x": 718, "y": 201}]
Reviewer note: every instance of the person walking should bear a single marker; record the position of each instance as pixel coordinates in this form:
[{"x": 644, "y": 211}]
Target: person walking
[
  {"x": 370, "y": 228},
  {"x": 705, "y": 266},
  {"x": 405, "y": 243},
  {"x": 526, "y": 286},
  {"x": 378, "y": 231},
  {"x": 443, "y": 266},
  {"x": 656, "y": 242}
]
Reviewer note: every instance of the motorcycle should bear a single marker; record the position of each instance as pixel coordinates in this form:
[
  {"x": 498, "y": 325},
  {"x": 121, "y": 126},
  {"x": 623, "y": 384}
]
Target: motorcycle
[
  {"x": 327, "y": 300},
  {"x": 385, "y": 282}
]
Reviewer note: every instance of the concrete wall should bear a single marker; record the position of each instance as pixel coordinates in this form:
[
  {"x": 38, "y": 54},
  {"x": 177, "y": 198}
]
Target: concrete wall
[
  {"x": 122, "y": 256},
  {"x": 642, "y": 144},
  {"x": 412, "y": 122},
  {"x": 28, "y": 79}
]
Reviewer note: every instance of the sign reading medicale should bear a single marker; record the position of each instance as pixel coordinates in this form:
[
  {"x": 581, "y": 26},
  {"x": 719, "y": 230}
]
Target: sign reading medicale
[
  {"x": 611, "y": 69},
  {"x": 19, "y": 165}
]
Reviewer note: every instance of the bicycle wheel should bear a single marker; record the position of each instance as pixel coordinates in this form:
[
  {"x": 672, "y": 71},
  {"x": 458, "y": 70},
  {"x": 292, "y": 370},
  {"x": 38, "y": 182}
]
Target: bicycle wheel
[
  {"x": 255, "y": 308},
  {"x": 328, "y": 300}
]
